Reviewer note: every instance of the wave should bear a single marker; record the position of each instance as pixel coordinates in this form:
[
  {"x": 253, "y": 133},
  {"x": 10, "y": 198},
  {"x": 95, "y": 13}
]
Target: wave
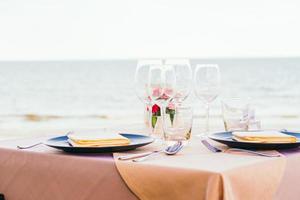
[
  {"x": 291, "y": 116},
  {"x": 31, "y": 117},
  {"x": 38, "y": 118}
]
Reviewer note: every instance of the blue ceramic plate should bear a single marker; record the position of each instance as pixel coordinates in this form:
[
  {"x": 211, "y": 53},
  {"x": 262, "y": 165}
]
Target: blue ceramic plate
[
  {"x": 135, "y": 142},
  {"x": 226, "y": 138}
]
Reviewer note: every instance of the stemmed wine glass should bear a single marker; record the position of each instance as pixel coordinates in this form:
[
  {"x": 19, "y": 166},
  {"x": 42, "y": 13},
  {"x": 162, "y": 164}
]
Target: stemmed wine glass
[
  {"x": 184, "y": 75},
  {"x": 207, "y": 86},
  {"x": 141, "y": 82},
  {"x": 162, "y": 84}
]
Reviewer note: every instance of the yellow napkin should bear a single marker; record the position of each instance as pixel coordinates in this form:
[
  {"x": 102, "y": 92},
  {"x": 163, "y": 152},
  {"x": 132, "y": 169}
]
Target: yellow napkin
[
  {"x": 97, "y": 140},
  {"x": 264, "y": 137}
]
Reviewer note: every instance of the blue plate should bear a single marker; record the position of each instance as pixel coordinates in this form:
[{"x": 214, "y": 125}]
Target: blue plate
[
  {"x": 226, "y": 138},
  {"x": 135, "y": 142}
]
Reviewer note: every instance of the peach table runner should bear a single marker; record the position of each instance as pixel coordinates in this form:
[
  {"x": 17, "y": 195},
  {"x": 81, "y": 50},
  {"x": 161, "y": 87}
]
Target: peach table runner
[{"x": 196, "y": 173}]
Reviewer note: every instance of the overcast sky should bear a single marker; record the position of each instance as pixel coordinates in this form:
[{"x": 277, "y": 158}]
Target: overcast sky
[{"x": 107, "y": 29}]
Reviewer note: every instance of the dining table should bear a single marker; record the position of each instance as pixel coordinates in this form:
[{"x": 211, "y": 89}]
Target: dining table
[{"x": 45, "y": 173}]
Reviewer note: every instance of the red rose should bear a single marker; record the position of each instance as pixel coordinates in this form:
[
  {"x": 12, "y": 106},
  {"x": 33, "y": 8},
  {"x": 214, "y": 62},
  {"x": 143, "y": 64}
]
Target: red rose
[{"x": 155, "y": 108}]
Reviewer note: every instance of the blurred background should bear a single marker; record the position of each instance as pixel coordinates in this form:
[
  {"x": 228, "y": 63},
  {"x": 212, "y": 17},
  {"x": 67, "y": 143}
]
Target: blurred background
[{"x": 70, "y": 64}]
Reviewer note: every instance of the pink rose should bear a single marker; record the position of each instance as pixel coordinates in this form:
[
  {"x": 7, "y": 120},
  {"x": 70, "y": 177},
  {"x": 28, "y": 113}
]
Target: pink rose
[
  {"x": 156, "y": 92},
  {"x": 171, "y": 106},
  {"x": 168, "y": 91}
]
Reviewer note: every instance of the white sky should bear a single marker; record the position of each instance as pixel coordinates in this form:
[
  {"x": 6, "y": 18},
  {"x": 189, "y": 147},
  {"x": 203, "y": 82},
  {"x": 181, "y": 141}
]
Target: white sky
[{"x": 105, "y": 29}]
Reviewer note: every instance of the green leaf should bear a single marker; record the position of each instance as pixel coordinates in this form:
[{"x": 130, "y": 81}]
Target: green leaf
[
  {"x": 167, "y": 110},
  {"x": 153, "y": 121},
  {"x": 172, "y": 114}
]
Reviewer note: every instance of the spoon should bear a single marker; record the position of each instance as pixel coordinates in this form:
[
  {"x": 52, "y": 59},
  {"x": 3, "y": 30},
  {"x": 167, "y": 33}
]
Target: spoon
[{"x": 170, "y": 150}]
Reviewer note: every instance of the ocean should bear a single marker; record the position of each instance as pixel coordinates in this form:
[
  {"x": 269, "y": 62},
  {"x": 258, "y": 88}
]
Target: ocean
[{"x": 53, "y": 96}]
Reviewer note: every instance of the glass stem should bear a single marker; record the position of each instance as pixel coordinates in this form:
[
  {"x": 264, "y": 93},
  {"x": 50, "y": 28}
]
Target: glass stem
[
  {"x": 147, "y": 114},
  {"x": 163, "y": 113},
  {"x": 207, "y": 120}
]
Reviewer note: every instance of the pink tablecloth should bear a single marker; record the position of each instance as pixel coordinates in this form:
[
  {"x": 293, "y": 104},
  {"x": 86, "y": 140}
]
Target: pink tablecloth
[
  {"x": 47, "y": 174},
  {"x": 44, "y": 173}
]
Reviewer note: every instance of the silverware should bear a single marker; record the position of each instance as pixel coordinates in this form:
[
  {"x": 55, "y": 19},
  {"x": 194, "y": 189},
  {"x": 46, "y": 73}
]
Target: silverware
[
  {"x": 170, "y": 150},
  {"x": 30, "y": 146},
  {"x": 217, "y": 150},
  {"x": 37, "y": 144},
  {"x": 138, "y": 155},
  {"x": 210, "y": 147}
]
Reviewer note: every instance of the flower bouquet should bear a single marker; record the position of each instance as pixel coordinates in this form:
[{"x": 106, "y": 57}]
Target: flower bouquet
[
  {"x": 156, "y": 112},
  {"x": 155, "y": 118}
]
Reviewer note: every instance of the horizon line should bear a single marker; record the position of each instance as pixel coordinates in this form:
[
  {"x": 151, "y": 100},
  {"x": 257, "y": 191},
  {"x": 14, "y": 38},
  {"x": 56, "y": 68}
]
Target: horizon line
[{"x": 150, "y": 57}]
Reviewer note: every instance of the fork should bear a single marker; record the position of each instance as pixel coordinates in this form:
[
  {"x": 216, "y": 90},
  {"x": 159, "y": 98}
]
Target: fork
[
  {"x": 217, "y": 150},
  {"x": 29, "y": 146},
  {"x": 37, "y": 144}
]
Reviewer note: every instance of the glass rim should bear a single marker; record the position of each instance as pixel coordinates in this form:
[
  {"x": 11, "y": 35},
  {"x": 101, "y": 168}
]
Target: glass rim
[
  {"x": 161, "y": 66},
  {"x": 149, "y": 62},
  {"x": 177, "y": 61}
]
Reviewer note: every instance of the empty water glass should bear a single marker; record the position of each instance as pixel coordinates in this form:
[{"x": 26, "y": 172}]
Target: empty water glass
[
  {"x": 177, "y": 125},
  {"x": 239, "y": 115}
]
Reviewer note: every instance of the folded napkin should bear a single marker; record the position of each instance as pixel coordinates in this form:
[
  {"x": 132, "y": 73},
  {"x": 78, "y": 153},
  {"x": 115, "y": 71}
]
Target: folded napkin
[
  {"x": 264, "y": 137},
  {"x": 97, "y": 139}
]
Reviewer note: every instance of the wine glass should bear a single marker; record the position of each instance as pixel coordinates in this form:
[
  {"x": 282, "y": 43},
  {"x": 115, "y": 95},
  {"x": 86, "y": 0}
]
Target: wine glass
[
  {"x": 162, "y": 84},
  {"x": 141, "y": 83},
  {"x": 183, "y": 78},
  {"x": 207, "y": 86}
]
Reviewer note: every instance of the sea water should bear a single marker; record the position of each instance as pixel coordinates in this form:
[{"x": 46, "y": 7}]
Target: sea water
[{"x": 91, "y": 94}]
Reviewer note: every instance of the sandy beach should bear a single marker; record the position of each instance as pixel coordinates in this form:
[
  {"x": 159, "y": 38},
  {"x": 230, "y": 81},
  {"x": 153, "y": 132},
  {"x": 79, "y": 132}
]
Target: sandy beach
[{"x": 58, "y": 126}]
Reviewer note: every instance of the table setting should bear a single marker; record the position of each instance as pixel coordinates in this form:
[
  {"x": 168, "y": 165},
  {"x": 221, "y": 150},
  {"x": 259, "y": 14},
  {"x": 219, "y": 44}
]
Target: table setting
[{"x": 170, "y": 158}]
